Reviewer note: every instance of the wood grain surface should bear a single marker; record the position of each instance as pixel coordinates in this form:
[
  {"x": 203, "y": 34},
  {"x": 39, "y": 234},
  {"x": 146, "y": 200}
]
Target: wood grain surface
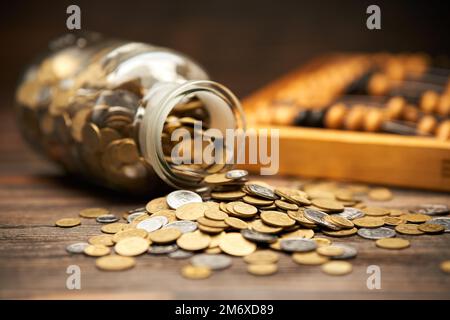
[{"x": 33, "y": 260}]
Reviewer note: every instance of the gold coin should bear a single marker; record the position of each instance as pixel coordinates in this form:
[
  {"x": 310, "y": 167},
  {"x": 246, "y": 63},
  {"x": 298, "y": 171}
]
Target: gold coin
[
  {"x": 211, "y": 223},
  {"x": 392, "y": 243},
  {"x": 262, "y": 257},
  {"x": 215, "y": 240},
  {"x": 375, "y": 211},
  {"x": 286, "y": 205},
  {"x": 276, "y": 245},
  {"x": 300, "y": 233},
  {"x": 262, "y": 269},
  {"x": 104, "y": 239},
  {"x": 341, "y": 222},
  {"x": 193, "y": 241},
  {"x": 68, "y": 222},
  {"x": 416, "y": 217},
  {"x": 191, "y": 211},
  {"x": 309, "y": 258},
  {"x": 115, "y": 263},
  {"x": 256, "y": 201},
  {"x": 130, "y": 247},
  {"x": 340, "y": 233},
  {"x": 344, "y": 195},
  {"x": 396, "y": 212},
  {"x": 156, "y": 205},
  {"x": 259, "y": 226},
  {"x": 129, "y": 233},
  {"x": 320, "y": 194},
  {"x": 393, "y": 221},
  {"x": 96, "y": 250},
  {"x": 337, "y": 268},
  {"x": 277, "y": 219},
  {"x": 93, "y": 212},
  {"x": 322, "y": 242},
  {"x": 408, "y": 228},
  {"x": 431, "y": 228},
  {"x": 209, "y": 230},
  {"x": 369, "y": 222},
  {"x": 236, "y": 245},
  {"x": 215, "y": 250},
  {"x": 445, "y": 266},
  {"x": 195, "y": 272},
  {"x": 228, "y": 195},
  {"x": 165, "y": 235},
  {"x": 217, "y": 178},
  {"x": 380, "y": 194},
  {"x": 300, "y": 218},
  {"x": 113, "y": 227},
  {"x": 236, "y": 223},
  {"x": 244, "y": 209},
  {"x": 216, "y": 214},
  {"x": 328, "y": 204},
  {"x": 300, "y": 200},
  {"x": 330, "y": 251}
]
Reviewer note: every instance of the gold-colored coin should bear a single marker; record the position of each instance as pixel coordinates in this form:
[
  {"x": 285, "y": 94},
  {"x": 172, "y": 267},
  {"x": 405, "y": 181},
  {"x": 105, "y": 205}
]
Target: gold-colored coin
[
  {"x": 309, "y": 258},
  {"x": 209, "y": 230},
  {"x": 215, "y": 240},
  {"x": 320, "y": 194},
  {"x": 130, "y": 247},
  {"x": 236, "y": 245},
  {"x": 217, "y": 178},
  {"x": 300, "y": 218},
  {"x": 392, "y": 243},
  {"x": 228, "y": 195},
  {"x": 408, "y": 228},
  {"x": 396, "y": 212},
  {"x": 103, "y": 239},
  {"x": 257, "y": 201},
  {"x": 262, "y": 257},
  {"x": 375, "y": 211},
  {"x": 215, "y": 214},
  {"x": 113, "y": 228},
  {"x": 341, "y": 222},
  {"x": 431, "y": 228},
  {"x": 340, "y": 233},
  {"x": 445, "y": 266},
  {"x": 322, "y": 241},
  {"x": 300, "y": 200},
  {"x": 328, "y": 204},
  {"x": 276, "y": 219},
  {"x": 393, "y": 221},
  {"x": 211, "y": 223},
  {"x": 158, "y": 204},
  {"x": 195, "y": 272},
  {"x": 97, "y": 250},
  {"x": 93, "y": 212},
  {"x": 299, "y": 233},
  {"x": 191, "y": 211},
  {"x": 165, "y": 235},
  {"x": 380, "y": 194},
  {"x": 286, "y": 205},
  {"x": 260, "y": 226},
  {"x": 369, "y": 222},
  {"x": 344, "y": 195},
  {"x": 215, "y": 250},
  {"x": 262, "y": 269},
  {"x": 330, "y": 251},
  {"x": 129, "y": 233},
  {"x": 244, "y": 209},
  {"x": 193, "y": 241},
  {"x": 416, "y": 217},
  {"x": 68, "y": 222},
  {"x": 337, "y": 268},
  {"x": 236, "y": 223},
  {"x": 115, "y": 263}
]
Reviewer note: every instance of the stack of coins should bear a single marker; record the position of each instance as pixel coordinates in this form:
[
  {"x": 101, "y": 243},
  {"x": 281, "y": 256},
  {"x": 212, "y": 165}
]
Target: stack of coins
[{"x": 254, "y": 221}]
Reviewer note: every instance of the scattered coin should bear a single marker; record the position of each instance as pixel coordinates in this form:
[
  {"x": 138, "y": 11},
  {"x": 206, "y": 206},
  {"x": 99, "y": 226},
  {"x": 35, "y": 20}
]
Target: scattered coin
[
  {"x": 443, "y": 221},
  {"x": 330, "y": 251},
  {"x": 297, "y": 244},
  {"x": 351, "y": 213},
  {"x": 408, "y": 228},
  {"x": 107, "y": 218},
  {"x": 262, "y": 257},
  {"x": 156, "y": 205},
  {"x": 340, "y": 233},
  {"x": 393, "y": 221},
  {"x": 77, "y": 247},
  {"x": 309, "y": 258},
  {"x": 416, "y": 217},
  {"x": 319, "y": 217},
  {"x": 164, "y": 236},
  {"x": 349, "y": 252},
  {"x": 431, "y": 228},
  {"x": 93, "y": 212},
  {"x": 191, "y": 211},
  {"x": 215, "y": 214},
  {"x": 375, "y": 211},
  {"x": 392, "y": 243},
  {"x": 115, "y": 263},
  {"x": 380, "y": 194},
  {"x": 369, "y": 222},
  {"x": 276, "y": 219},
  {"x": 178, "y": 198},
  {"x": 135, "y": 215},
  {"x": 376, "y": 233},
  {"x": 445, "y": 266},
  {"x": 129, "y": 233},
  {"x": 163, "y": 249},
  {"x": 193, "y": 241},
  {"x": 236, "y": 223},
  {"x": 195, "y": 272},
  {"x": 179, "y": 254},
  {"x": 236, "y": 245},
  {"x": 113, "y": 227},
  {"x": 262, "y": 269},
  {"x": 261, "y": 191},
  {"x": 183, "y": 226},
  {"x": 328, "y": 204},
  {"x": 258, "y": 237},
  {"x": 236, "y": 174},
  {"x": 341, "y": 222},
  {"x": 149, "y": 225},
  {"x": 130, "y": 247},
  {"x": 433, "y": 209},
  {"x": 103, "y": 239},
  {"x": 337, "y": 268},
  {"x": 96, "y": 250},
  {"x": 212, "y": 261},
  {"x": 68, "y": 222}
]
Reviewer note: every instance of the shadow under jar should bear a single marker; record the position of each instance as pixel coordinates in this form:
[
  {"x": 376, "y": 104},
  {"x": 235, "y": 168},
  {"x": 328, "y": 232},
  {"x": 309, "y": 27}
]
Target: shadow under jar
[{"x": 126, "y": 115}]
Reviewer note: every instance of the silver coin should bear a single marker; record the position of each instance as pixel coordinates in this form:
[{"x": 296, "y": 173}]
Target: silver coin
[
  {"x": 133, "y": 216},
  {"x": 149, "y": 225},
  {"x": 319, "y": 218},
  {"x": 162, "y": 249},
  {"x": 297, "y": 244},
  {"x": 77, "y": 247},
  {"x": 212, "y": 261},
  {"x": 236, "y": 174},
  {"x": 443, "y": 221},
  {"x": 180, "y": 254},
  {"x": 376, "y": 233},
  {"x": 184, "y": 226},
  {"x": 351, "y": 213},
  {"x": 107, "y": 218},
  {"x": 261, "y": 191},
  {"x": 259, "y": 237},
  {"x": 138, "y": 210},
  {"x": 163, "y": 219},
  {"x": 178, "y": 198},
  {"x": 432, "y": 209},
  {"x": 349, "y": 252}
]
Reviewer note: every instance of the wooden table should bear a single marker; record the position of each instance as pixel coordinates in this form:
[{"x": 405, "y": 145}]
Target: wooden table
[{"x": 33, "y": 260}]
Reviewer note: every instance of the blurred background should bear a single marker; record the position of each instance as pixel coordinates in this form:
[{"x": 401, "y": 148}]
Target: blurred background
[{"x": 243, "y": 44}]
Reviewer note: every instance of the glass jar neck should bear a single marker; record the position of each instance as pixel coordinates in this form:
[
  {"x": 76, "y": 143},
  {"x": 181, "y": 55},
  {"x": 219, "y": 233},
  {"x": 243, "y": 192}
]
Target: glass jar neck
[{"x": 225, "y": 113}]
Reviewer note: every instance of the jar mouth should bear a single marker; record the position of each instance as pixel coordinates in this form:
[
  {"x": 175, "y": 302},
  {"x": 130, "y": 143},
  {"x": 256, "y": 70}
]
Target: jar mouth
[{"x": 222, "y": 104}]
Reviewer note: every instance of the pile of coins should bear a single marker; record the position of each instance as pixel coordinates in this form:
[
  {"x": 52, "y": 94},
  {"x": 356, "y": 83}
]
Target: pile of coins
[{"x": 252, "y": 220}]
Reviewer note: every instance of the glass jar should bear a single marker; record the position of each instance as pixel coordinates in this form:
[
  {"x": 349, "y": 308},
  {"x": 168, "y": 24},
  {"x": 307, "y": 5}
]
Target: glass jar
[{"x": 113, "y": 111}]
